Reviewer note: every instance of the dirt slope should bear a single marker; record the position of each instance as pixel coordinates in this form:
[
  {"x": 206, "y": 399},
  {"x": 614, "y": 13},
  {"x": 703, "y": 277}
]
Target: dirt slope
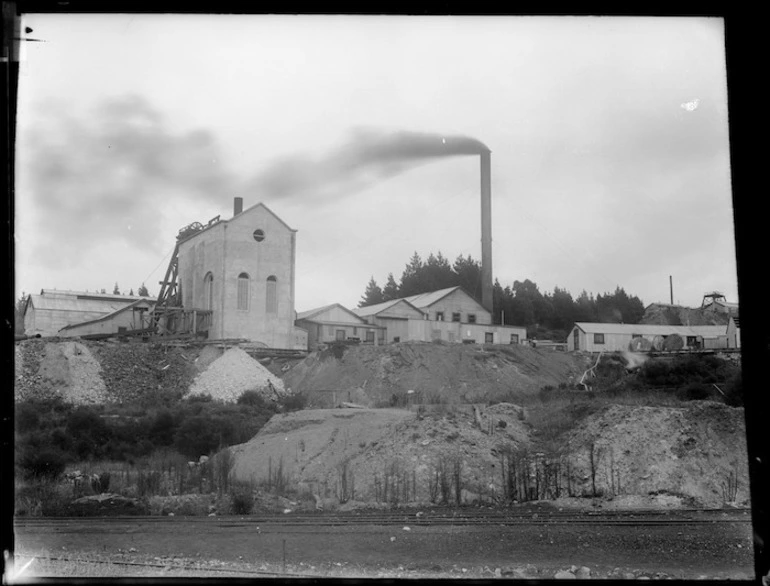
[
  {"x": 689, "y": 456},
  {"x": 451, "y": 373},
  {"x": 698, "y": 451},
  {"x": 381, "y": 455}
]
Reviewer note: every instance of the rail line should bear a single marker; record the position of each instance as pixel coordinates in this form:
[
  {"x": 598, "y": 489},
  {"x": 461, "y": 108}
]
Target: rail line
[{"x": 418, "y": 518}]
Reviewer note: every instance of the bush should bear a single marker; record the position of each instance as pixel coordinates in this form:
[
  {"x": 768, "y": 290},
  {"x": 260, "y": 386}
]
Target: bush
[
  {"x": 252, "y": 399},
  {"x": 695, "y": 392},
  {"x": 48, "y": 463},
  {"x": 734, "y": 391},
  {"x": 202, "y": 434},
  {"x": 242, "y": 499},
  {"x": 162, "y": 428},
  {"x": 294, "y": 402},
  {"x": 89, "y": 432}
]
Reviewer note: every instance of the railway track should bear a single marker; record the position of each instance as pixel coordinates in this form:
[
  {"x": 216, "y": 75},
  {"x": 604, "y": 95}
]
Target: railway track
[{"x": 420, "y": 518}]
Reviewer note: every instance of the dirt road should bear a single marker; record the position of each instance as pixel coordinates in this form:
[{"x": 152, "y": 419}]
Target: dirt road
[{"x": 714, "y": 545}]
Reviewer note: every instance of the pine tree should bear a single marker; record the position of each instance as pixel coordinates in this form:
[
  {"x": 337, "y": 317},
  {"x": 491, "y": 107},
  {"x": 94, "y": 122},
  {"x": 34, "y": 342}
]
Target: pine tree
[
  {"x": 116, "y": 290},
  {"x": 143, "y": 292},
  {"x": 131, "y": 292},
  {"x": 372, "y": 295},
  {"x": 390, "y": 290}
]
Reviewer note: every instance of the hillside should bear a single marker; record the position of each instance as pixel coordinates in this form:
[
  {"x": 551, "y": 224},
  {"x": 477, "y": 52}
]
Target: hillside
[
  {"x": 437, "y": 373},
  {"x": 643, "y": 456}
]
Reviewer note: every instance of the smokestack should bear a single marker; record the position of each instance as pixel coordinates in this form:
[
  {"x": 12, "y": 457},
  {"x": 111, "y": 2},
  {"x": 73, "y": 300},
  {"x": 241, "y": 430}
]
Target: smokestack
[
  {"x": 671, "y": 288},
  {"x": 486, "y": 231},
  {"x": 237, "y": 206}
]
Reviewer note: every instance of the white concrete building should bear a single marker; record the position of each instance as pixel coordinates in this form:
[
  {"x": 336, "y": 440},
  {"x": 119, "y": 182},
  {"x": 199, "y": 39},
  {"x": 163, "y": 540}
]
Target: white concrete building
[{"x": 242, "y": 270}]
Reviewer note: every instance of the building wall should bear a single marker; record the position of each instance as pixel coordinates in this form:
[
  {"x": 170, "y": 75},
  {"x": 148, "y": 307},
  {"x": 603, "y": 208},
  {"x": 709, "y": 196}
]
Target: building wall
[
  {"x": 48, "y": 322},
  {"x": 428, "y": 331},
  {"x": 459, "y": 301},
  {"x": 229, "y": 249},
  {"x": 324, "y": 332},
  {"x": 620, "y": 342},
  {"x": 126, "y": 319}
]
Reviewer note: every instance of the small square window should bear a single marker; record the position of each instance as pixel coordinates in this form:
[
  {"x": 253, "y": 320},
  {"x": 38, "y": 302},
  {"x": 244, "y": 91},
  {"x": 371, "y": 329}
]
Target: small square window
[
  {"x": 456, "y": 316},
  {"x": 598, "y": 338},
  {"x": 439, "y": 316},
  {"x": 471, "y": 318}
]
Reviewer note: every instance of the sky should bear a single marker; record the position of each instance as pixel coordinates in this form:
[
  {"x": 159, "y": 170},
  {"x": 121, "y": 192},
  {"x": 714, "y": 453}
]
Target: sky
[{"x": 608, "y": 137}]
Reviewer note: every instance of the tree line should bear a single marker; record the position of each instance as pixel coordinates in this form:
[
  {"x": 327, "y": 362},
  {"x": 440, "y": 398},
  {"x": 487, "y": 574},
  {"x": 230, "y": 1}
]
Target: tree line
[{"x": 544, "y": 314}]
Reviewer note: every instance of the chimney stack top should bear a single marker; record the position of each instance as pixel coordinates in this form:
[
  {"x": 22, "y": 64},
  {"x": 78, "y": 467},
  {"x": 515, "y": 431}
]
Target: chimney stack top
[{"x": 237, "y": 206}]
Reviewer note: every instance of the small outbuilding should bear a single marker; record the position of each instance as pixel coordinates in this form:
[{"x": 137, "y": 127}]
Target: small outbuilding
[
  {"x": 50, "y": 311},
  {"x": 336, "y": 323},
  {"x": 612, "y": 337}
]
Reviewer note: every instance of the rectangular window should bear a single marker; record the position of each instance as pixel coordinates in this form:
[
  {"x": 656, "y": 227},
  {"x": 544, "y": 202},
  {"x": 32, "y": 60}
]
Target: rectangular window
[
  {"x": 489, "y": 338},
  {"x": 576, "y": 338},
  {"x": 340, "y": 335},
  {"x": 636, "y": 336},
  {"x": 456, "y": 316},
  {"x": 514, "y": 338},
  {"x": 439, "y": 316},
  {"x": 243, "y": 294},
  {"x": 396, "y": 338},
  {"x": 471, "y": 318},
  {"x": 598, "y": 338}
]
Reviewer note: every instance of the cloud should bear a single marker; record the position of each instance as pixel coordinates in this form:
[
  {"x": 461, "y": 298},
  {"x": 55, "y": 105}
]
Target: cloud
[{"x": 109, "y": 176}]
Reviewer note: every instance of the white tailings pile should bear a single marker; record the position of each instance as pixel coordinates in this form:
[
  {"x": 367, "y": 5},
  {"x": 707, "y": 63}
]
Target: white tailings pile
[{"x": 233, "y": 373}]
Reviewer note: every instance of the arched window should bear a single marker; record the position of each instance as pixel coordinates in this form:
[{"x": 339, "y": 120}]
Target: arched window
[
  {"x": 271, "y": 294},
  {"x": 208, "y": 291},
  {"x": 243, "y": 291}
]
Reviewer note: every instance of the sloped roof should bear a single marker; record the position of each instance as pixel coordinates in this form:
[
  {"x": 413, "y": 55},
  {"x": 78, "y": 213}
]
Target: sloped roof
[
  {"x": 427, "y": 299},
  {"x": 237, "y": 217},
  {"x": 651, "y": 329},
  {"x": 111, "y": 314},
  {"x": 380, "y": 307},
  {"x": 50, "y": 299},
  {"x": 311, "y": 313}
]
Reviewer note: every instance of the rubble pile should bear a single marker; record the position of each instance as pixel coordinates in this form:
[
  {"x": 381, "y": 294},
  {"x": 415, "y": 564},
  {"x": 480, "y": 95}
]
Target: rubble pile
[
  {"x": 439, "y": 372},
  {"x": 232, "y": 374},
  {"x": 694, "y": 454},
  {"x": 66, "y": 370},
  {"x": 145, "y": 372}
]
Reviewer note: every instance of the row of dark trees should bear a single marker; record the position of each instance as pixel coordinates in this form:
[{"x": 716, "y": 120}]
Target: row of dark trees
[{"x": 549, "y": 314}]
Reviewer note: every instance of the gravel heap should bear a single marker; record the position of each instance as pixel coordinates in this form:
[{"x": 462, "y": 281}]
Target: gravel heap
[
  {"x": 86, "y": 383},
  {"x": 233, "y": 373},
  {"x": 58, "y": 369}
]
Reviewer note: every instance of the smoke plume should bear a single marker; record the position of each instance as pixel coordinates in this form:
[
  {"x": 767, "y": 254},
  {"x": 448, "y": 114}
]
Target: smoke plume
[
  {"x": 106, "y": 177},
  {"x": 368, "y": 156}
]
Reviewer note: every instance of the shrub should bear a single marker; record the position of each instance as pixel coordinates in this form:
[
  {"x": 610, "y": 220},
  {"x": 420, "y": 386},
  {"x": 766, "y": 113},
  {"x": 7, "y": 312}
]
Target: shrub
[
  {"x": 294, "y": 402},
  {"x": 48, "y": 463},
  {"x": 734, "y": 391},
  {"x": 242, "y": 498},
  {"x": 253, "y": 399},
  {"x": 88, "y": 431},
  {"x": 695, "y": 392},
  {"x": 202, "y": 434},
  {"x": 162, "y": 428}
]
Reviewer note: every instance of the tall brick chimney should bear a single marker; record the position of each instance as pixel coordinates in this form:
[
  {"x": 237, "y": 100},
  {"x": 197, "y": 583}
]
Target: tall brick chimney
[
  {"x": 486, "y": 231},
  {"x": 237, "y": 206}
]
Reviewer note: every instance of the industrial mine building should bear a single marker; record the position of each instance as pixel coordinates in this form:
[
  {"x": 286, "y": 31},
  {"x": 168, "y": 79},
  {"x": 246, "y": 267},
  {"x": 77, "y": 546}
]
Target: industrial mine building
[{"x": 239, "y": 274}]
